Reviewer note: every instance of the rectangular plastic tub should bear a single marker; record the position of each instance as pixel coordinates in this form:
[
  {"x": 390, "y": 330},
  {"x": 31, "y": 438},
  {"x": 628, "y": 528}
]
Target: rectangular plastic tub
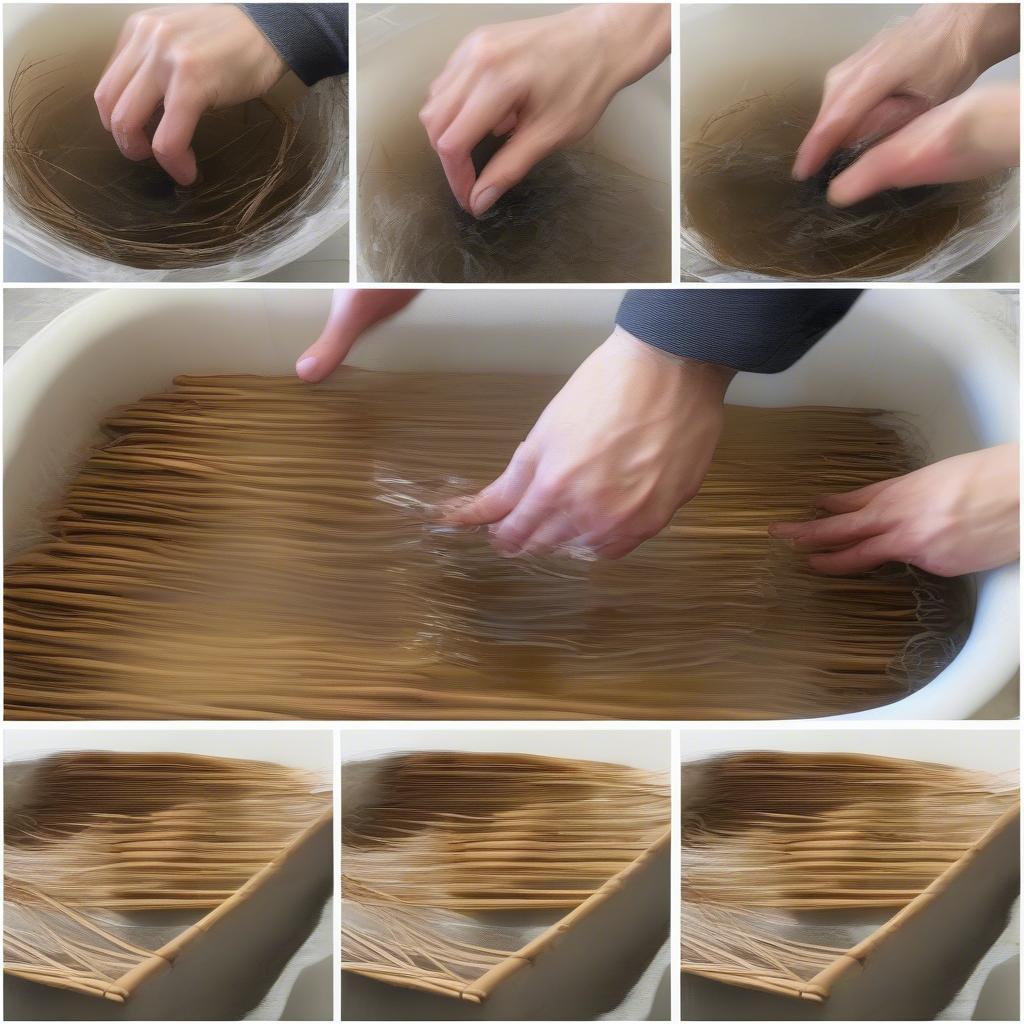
[{"x": 945, "y": 358}]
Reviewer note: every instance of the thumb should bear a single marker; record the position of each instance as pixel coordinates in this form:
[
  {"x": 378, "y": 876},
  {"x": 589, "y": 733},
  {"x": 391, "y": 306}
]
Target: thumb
[
  {"x": 528, "y": 145},
  {"x": 353, "y": 311}
]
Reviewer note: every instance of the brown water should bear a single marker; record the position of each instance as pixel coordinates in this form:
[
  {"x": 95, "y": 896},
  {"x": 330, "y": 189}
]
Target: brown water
[
  {"x": 341, "y": 596},
  {"x": 741, "y": 200}
]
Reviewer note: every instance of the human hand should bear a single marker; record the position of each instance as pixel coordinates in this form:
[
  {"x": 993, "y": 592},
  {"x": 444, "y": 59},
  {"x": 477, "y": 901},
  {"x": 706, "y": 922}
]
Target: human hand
[
  {"x": 191, "y": 59},
  {"x": 904, "y": 71},
  {"x": 626, "y": 441},
  {"x": 956, "y": 516},
  {"x": 969, "y": 137},
  {"x": 546, "y": 80},
  {"x": 353, "y": 312}
]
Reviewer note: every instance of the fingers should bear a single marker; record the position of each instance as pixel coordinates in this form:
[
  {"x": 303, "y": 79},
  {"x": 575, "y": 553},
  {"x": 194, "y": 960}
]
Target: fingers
[
  {"x": 885, "y": 118},
  {"x": 526, "y": 148},
  {"x": 477, "y": 119},
  {"x": 965, "y": 138},
  {"x": 908, "y": 157},
  {"x": 620, "y": 547},
  {"x": 511, "y": 534},
  {"x": 554, "y": 532},
  {"x": 353, "y": 312},
  {"x": 851, "y": 501},
  {"x": 172, "y": 141},
  {"x": 497, "y": 499},
  {"x": 121, "y": 70},
  {"x": 846, "y": 101},
  {"x": 863, "y": 557},
  {"x": 507, "y": 125},
  {"x": 132, "y": 113},
  {"x": 836, "y": 531}
]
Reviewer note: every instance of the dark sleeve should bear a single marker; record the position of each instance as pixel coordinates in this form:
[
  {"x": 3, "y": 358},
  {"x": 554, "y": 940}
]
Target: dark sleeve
[
  {"x": 312, "y": 39},
  {"x": 753, "y": 329}
]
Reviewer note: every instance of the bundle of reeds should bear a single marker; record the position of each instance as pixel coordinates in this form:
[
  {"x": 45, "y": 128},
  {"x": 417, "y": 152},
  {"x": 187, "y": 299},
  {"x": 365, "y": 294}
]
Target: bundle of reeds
[
  {"x": 263, "y": 168},
  {"x": 102, "y": 834},
  {"x": 770, "y": 837},
  {"x": 249, "y": 547},
  {"x": 444, "y": 835}
]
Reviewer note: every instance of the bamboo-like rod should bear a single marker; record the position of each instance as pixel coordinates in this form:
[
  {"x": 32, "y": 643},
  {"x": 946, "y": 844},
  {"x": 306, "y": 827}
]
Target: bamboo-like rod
[
  {"x": 858, "y": 955},
  {"x": 529, "y": 953},
  {"x": 169, "y": 952}
]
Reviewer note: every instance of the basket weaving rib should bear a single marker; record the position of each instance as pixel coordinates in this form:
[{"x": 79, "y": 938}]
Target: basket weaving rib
[
  {"x": 449, "y": 834},
  {"x": 103, "y": 833},
  {"x": 342, "y": 597},
  {"x": 768, "y": 837}
]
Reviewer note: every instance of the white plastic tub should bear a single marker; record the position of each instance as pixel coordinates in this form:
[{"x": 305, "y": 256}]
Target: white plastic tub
[
  {"x": 943, "y": 357},
  {"x": 729, "y": 52},
  {"x": 83, "y": 35}
]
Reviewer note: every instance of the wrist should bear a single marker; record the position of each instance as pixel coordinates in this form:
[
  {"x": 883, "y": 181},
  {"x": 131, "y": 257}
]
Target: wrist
[
  {"x": 633, "y": 39},
  {"x": 708, "y": 379},
  {"x": 992, "y": 32}
]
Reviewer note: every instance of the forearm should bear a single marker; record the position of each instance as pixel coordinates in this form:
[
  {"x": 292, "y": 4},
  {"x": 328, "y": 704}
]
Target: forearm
[
  {"x": 755, "y": 330},
  {"x": 312, "y": 39}
]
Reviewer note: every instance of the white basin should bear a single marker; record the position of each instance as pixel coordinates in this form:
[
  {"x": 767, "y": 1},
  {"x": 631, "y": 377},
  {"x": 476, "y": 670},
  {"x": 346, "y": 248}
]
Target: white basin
[{"x": 944, "y": 357}]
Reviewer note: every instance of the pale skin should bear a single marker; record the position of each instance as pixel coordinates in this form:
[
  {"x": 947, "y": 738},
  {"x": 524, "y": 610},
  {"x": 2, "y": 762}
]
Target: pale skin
[
  {"x": 629, "y": 439},
  {"x": 905, "y": 86},
  {"x": 619, "y": 449},
  {"x": 172, "y": 64},
  {"x": 547, "y": 81},
  {"x": 956, "y": 516}
]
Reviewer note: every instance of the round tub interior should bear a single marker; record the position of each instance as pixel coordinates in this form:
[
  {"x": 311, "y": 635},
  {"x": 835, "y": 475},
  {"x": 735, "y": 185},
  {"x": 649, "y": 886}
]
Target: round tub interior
[
  {"x": 762, "y": 95},
  {"x": 596, "y": 212},
  {"x": 273, "y": 172}
]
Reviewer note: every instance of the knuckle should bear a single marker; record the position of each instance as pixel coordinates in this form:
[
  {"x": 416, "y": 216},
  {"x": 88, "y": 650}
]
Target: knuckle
[
  {"x": 161, "y": 150},
  {"x": 160, "y": 32},
  {"x": 482, "y": 47},
  {"x": 141, "y": 21},
  {"x": 837, "y": 75},
  {"x": 183, "y": 58},
  {"x": 122, "y": 124},
  {"x": 446, "y": 148}
]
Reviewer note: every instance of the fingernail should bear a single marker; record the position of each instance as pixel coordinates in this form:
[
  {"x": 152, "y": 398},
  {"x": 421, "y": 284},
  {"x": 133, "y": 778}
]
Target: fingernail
[
  {"x": 483, "y": 202},
  {"x": 306, "y": 367}
]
